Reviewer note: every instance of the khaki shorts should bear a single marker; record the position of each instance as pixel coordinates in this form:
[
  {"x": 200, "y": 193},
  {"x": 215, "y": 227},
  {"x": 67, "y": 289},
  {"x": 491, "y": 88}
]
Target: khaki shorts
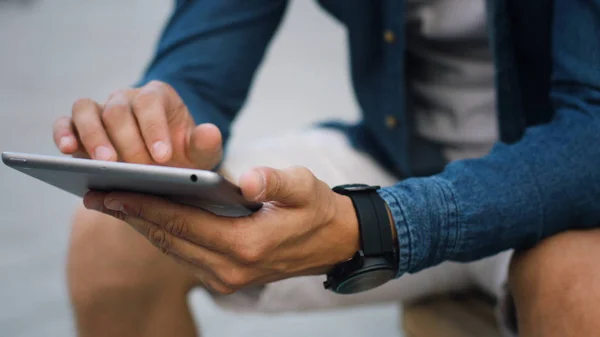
[{"x": 329, "y": 155}]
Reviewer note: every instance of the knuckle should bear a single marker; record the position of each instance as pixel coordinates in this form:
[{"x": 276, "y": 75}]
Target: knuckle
[
  {"x": 156, "y": 84},
  {"x": 137, "y": 211},
  {"x": 159, "y": 238},
  {"x": 307, "y": 182},
  {"x": 166, "y": 93},
  {"x": 117, "y": 215},
  {"x": 151, "y": 129},
  {"x": 273, "y": 180},
  {"x": 146, "y": 98},
  {"x": 243, "y": 243},
  {"x": 305, "y": 175},
  {"x": 249, "y": 253},
  {"x": 234, "y": 278},
  {"x": 114, "y": 111},
  {"x": 118, "y": 93},
  {"x": 303, "y": 171},
  {"x": 176, "y": 226},
  {"x": 82, "y": 104}
]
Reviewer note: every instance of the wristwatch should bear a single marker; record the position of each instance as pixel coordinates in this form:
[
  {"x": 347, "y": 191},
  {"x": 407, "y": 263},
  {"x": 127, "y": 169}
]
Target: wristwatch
[{"x": 376, "y": 262}]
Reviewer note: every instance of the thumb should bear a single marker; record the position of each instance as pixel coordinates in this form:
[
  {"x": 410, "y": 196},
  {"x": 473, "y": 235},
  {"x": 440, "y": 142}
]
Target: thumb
[
  {"x": 205, "y": 148},
  {"x": 292, "y": 186}
]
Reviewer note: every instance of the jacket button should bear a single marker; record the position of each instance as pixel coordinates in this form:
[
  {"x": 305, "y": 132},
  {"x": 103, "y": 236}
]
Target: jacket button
[
  {"x": 389, "y": 36},
  {"x": 391, "y": 122}
]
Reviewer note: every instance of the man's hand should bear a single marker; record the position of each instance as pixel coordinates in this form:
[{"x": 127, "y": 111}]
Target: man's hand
[
  {"x": 148, "y": 125},
  {"x": 304, "y": 228}
]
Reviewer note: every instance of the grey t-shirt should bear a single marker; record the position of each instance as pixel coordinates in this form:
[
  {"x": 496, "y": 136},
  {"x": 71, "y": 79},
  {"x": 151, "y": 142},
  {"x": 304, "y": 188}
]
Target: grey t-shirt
[{"x": 450, "y": 82}]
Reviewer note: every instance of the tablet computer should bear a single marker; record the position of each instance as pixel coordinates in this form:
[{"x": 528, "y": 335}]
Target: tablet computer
[{"x": 199, "y": 188}]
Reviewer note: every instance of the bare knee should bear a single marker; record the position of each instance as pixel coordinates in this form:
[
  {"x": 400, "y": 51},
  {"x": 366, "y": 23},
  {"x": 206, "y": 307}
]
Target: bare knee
[
  {"x": 563, "y": 264},
  {"x": 109, "y": 259},
  {"x": 555, "y": 279}
]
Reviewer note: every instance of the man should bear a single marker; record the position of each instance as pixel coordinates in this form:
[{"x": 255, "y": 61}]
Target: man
[{"x": 424, "y": 77}]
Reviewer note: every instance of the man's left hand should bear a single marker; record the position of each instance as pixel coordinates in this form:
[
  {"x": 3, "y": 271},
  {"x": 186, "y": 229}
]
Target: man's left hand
[{"x": 304, "y": 228}]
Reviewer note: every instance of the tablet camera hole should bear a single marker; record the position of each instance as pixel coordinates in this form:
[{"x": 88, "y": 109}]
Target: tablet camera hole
[{"x": 194, "y": 178}]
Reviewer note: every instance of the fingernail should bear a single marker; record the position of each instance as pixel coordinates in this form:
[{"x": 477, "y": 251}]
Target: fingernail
[
  {"x": 102, "y": 153},
  {"x": 160, "y": 150},
  {"x": 65, "y": 142},
  {"x": 113, "y": 205}
]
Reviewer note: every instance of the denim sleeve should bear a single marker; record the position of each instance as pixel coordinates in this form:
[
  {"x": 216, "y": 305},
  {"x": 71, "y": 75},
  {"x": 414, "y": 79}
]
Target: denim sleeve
[
  {"x": 518, "y": 194},
  {"x": 209, "y": 52}
]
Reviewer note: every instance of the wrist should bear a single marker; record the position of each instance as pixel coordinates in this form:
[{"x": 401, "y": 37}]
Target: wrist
[
  {"x": 369, "y": 252},
  {"x": 347, "y": 228},
  {"x": 392, "y": 225},
  {"x": 346, "y": 221}
]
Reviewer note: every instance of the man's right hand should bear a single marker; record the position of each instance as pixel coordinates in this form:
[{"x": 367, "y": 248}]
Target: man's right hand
[{"x": 147, "y": 125}]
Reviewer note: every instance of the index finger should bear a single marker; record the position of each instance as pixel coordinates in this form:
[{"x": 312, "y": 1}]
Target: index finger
[
  {"x": 150, "y": 110},
  {"x": 189, "y": 223}
]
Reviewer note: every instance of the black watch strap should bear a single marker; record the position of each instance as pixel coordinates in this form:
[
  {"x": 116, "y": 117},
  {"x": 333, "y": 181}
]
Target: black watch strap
[{"x": 373, "y": 219}]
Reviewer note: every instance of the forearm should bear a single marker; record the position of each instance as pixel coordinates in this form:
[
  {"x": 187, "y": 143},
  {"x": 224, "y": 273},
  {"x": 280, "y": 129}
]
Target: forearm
[{"x": 512, "y": 198}]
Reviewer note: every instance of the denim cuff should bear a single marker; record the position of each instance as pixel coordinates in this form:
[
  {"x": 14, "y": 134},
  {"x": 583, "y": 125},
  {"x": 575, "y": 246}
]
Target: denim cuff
[{"x": 425, "y": 213}]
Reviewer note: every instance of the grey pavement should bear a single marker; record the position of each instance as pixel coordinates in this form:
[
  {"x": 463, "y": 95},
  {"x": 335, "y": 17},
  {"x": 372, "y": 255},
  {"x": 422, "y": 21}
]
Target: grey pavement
[{"x": 51, "y": 53}]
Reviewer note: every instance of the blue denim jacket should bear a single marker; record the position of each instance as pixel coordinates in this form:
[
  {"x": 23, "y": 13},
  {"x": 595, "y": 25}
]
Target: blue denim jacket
[{"x": 542, "y": 178}]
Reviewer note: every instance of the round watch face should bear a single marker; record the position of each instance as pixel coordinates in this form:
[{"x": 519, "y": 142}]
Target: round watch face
[{"x": 365, "y": 281}]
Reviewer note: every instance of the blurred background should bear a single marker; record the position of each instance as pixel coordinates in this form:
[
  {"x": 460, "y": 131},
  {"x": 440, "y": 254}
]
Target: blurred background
[{"x": 53, "y": 52}]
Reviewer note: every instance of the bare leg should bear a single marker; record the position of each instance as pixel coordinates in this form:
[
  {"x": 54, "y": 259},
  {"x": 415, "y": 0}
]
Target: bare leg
[
  {"x": 120, "y": 285},
  {"x": 556, "y": 286}
]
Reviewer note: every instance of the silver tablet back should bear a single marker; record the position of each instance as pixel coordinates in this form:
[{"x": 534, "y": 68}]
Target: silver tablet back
[{"x": 199, "y": 188}]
